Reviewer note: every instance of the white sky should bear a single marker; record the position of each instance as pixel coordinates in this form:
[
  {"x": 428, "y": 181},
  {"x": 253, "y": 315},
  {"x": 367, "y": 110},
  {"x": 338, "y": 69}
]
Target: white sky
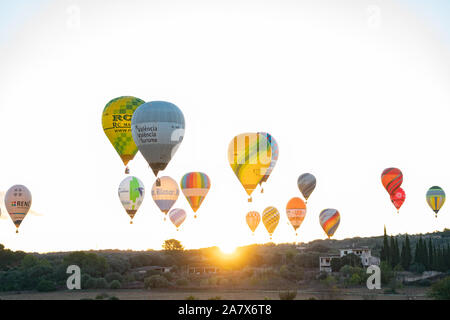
[{"x": 346, "y": 88}]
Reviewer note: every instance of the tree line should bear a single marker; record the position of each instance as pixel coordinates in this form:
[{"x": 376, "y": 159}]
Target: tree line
[{"x": 426, "y": 255}]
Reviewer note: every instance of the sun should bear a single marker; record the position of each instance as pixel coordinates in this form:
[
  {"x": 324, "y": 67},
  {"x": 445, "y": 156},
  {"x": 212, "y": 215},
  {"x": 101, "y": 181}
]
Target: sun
[{"x": 227, "y": 248}]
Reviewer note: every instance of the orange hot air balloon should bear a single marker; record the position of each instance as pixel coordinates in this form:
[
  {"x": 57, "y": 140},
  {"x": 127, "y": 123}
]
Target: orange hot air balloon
[
  {"x": 398, "y": 198},
  {"x": 253, "y": 219},
  {"x": 392, "y": 179},
  {"x": 296, "y": 212}
]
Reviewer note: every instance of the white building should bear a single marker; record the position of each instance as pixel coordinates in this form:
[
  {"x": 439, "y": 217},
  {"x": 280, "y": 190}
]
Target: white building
[
  {"x": 325, "y": 263},
  {"x": 364, "y": 253}
]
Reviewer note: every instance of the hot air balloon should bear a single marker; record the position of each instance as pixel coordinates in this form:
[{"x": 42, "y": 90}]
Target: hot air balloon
[
  {"x": 116, "y": 121},
  {"x": 435, "y": 198},
  {"x": 177, "y": 216},
  {"x": 329, "y": 220},
  {"x": 250, "y": 156},
  {"x": 253, "y": 219},
  {"x": 131, "y": 194},
  {"x": 306, "y": 184},
  {"x": 296, "y": 212},
  {"x": 158, "y": 130},
  {"x": 165, "y": 193},
  {"x": 18, "y": 203},
  {"x": 398, "y": 198},
  {"x": 271, "y": 218},
  {"x": 274, "y": 159},
  {"x": 392, "y": 179},
  {"x": 195, "y": 187}
]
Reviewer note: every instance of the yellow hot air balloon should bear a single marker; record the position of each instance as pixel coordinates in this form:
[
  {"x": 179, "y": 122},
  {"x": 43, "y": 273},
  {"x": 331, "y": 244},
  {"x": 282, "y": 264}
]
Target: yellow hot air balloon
[
  {"x": 250, "y": 156},
  {"x": 271, "y": 218},
  {"x": 116, "y": 122}
]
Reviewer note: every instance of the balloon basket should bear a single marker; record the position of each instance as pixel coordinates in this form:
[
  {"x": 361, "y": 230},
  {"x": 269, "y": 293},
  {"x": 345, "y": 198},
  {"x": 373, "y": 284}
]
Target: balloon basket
[
  {"x": 17, "y": 231},
  {"x": 250, "y": 200},
  {"x": 127, "y": 170},
  {"x": 158, "y": 182},
  {"x": 131, "y": 222},
  {"x": 195, "y": 217},
  {"x": 262, "y": 190}
]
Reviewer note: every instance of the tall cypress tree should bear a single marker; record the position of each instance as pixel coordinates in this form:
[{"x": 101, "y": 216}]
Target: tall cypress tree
[
  {"x": 385, "y": 249},
  {"x": 397, "y": 252},
  {"x": 430, "y": 254},
  {"x": 392, "y": 252},
  {"x": 408, "y": 252},
  {"x": 417, "y": 253}
]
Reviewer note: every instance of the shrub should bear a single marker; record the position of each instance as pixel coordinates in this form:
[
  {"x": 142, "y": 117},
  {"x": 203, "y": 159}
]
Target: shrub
[
  {"x": 101, "y": 283},
  {"x": 113, "y": 298},
  {"x": 288, "y": 295},
  {"x": 101, "y": 296},
  {"x": 191, "y": 298},
  {"x": 115, "y": 284},
  {"x": 169, "y": 276},
  {"x": 182, "y": 282},
  {"x": 90, "y": 283},
  {"x": 110, "y": 277},
  {"x": 215, "y": 298},
  {"x": 156, "y": 281},
  {"x": 46, "y": 286},
  {"x": 441, "y": 290}
]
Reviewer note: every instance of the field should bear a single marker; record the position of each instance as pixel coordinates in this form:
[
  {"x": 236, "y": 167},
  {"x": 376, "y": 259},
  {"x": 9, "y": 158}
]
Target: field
[{"x": 410, "y": 293}]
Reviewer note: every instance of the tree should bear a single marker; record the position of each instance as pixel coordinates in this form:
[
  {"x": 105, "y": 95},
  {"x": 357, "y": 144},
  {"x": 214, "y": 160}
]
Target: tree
[
  {"x": 156, "y": 281},
  {"x": 46, "y": 286},
  {"x": 406, "y": 254},
  {"x": 115, "y": 284},
  {"x": 430, "y": 254},
  {"x": 385, "y": 250},
  {"x": 172, "y": 245},
  {"x": 441, "y": 289}
]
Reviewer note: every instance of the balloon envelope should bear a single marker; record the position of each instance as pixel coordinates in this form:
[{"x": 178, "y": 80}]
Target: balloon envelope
[
  {"x": 306, "y": 184},
  {"x": 116, "y": 122},
  {"x": 330, "y": 220},
  {"x": 435, "y": 198},
  {"x": 249, "y": 156},
  {"x": 177, "y": 216},
  {"x": 271, "y": 218},
  {"x": 274, "y": 159},
  {"x": 18, "y": 203},
  {"x": 165, "y": 193},
  {"x": 392, "y": 179},
  {"x": 195, "y": 186},
  {"x": 158, "y": 130},
  {"x": 398, "y": 198},
  {"x": 253, "y": 219},
  {"x": 131, "y": 194},
  {"x": 296, "y": 212}
]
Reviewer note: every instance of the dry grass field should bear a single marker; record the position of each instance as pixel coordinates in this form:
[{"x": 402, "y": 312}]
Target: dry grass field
[{"x": 410, "y": 293}]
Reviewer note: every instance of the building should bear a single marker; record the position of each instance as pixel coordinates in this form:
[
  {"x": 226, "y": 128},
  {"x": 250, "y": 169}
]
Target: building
[
  {"x": 325, "y": 262},
  {"x": 144, "y": 270},
  {"x": 363, "y": 252},
  {"x": 203, "y": 269}
]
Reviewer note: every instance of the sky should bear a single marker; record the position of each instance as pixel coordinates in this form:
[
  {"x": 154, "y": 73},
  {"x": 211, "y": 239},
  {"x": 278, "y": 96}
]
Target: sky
[{"x": 347, "y": 88}]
